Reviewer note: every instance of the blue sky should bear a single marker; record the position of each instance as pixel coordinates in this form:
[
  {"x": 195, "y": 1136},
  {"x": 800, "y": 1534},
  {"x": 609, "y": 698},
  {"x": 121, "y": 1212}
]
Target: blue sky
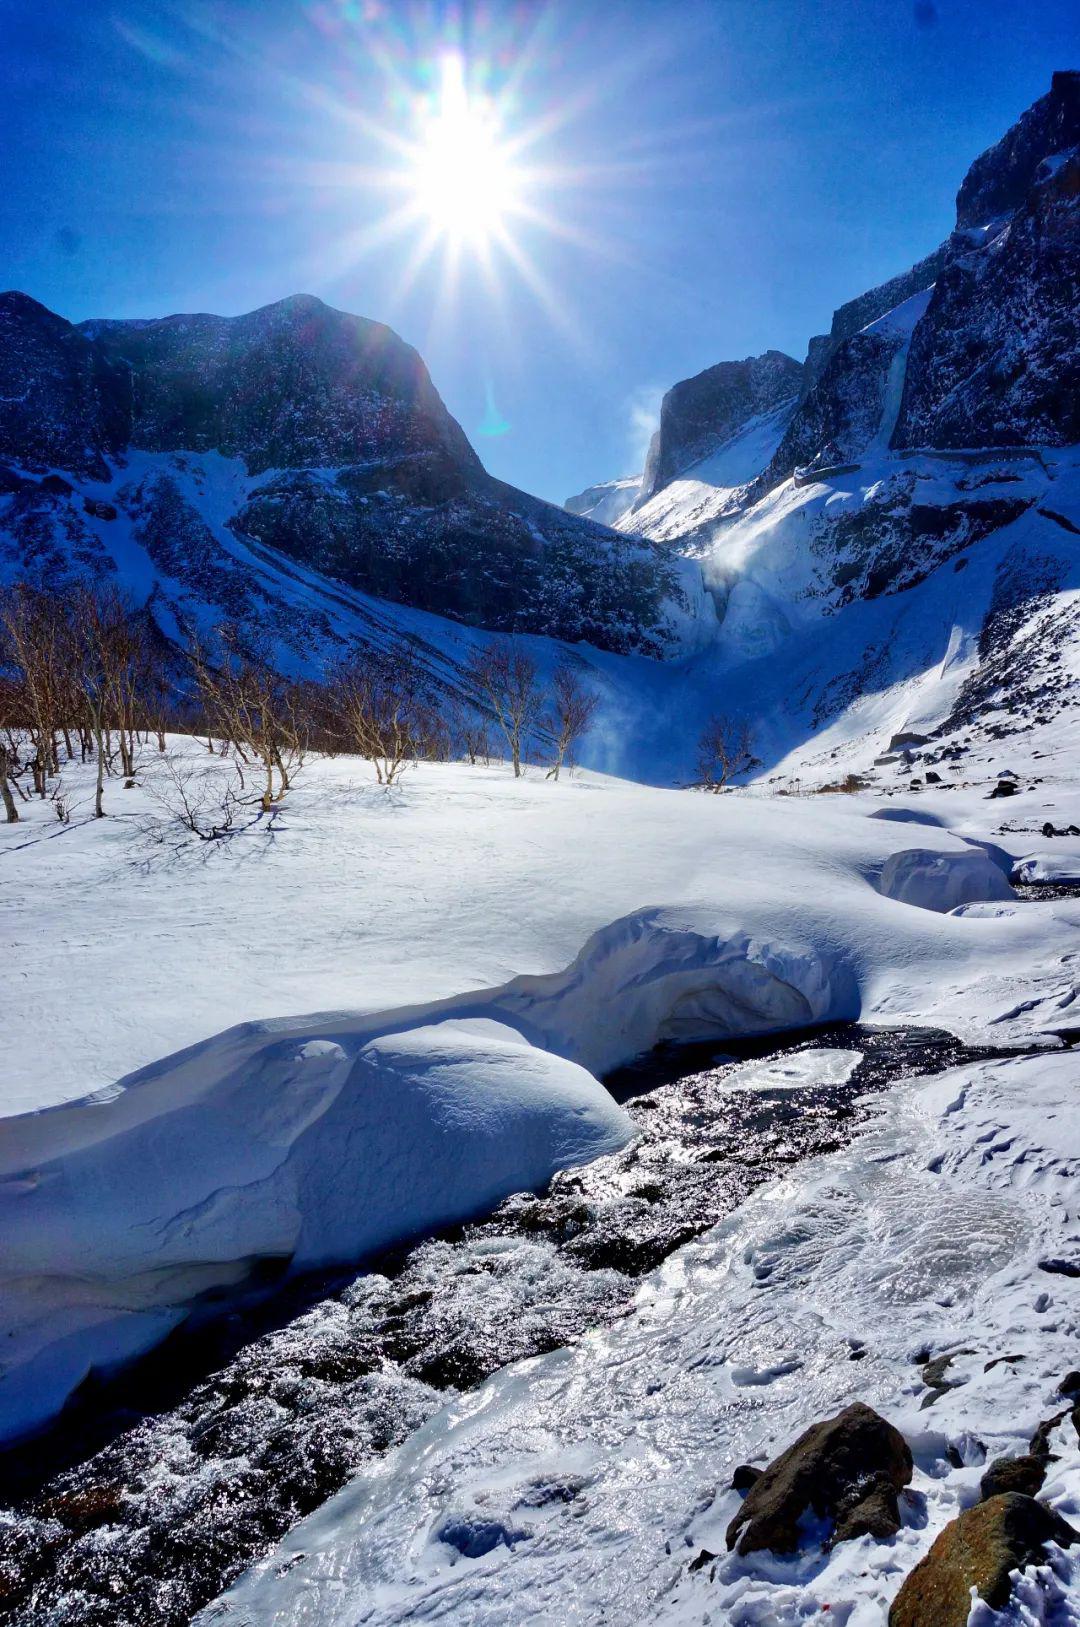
[{"x": 704, "y": 180}]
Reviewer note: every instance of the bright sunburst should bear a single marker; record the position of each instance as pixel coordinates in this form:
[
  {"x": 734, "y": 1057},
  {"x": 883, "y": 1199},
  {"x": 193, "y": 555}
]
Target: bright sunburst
[{"x": 463, "y": 176}]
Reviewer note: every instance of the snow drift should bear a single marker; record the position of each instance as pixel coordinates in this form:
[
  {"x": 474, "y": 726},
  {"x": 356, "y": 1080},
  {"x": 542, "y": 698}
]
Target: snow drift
[{"x": 120, "y": 1212}]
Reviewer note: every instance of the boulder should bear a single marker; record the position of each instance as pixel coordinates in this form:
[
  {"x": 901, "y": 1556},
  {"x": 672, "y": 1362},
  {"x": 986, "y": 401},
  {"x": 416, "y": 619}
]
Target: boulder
[
  {"x": 1025, "y": 1474},
  {"x": 977, "y": 1550},
  {"x": 846, "y": 1469}
]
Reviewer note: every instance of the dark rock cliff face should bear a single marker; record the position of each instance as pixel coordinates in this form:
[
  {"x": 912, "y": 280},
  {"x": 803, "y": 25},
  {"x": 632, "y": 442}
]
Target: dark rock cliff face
[
  {"x": 1000, "y": 178},
  {"x": 354, "y": 468},
  {"x": 866, "y": 308},
  {"x": 842, "y": 413},
  {"x": 63, "y": 403},
  {"x": 700, "y": 414},
  {"x": 295, "y": 384},
  {"x": 995, "y": 361}
]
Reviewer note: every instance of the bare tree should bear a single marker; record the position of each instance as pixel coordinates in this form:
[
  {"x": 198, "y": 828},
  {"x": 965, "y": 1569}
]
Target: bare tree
[
  {"x": 253, "y": 707},
  {"x": 505, "y": 676},
  {"x": 34, "y": 633},
  {"x": 379, "y": 700},
  {"x": 7, "y": 766},
  {"x": 104, "y": 657},
  {"x": 572, "y": 708},
  {"x": 206, "y": 801},
  {"x": 723, "y": 750}
]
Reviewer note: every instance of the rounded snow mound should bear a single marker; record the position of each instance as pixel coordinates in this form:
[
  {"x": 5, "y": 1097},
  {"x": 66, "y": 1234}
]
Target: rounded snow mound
[
  {"x": 309, "y": 1142},
  {"x": 942, "y": 881}
]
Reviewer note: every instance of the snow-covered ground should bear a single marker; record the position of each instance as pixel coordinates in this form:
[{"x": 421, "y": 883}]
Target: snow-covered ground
[{"x": 459, "y": 927}]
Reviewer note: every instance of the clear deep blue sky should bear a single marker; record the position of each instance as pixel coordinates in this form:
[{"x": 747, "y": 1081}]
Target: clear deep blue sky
[{"x": 720, "y": 174}]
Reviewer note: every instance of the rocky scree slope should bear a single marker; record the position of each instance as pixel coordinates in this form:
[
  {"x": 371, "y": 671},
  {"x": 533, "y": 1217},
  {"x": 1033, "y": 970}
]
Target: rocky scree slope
[{"x": 324, "y": 440}]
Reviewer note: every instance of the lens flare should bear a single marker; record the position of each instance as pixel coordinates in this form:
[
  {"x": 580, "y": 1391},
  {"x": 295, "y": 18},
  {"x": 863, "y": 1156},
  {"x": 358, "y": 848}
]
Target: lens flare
[{"x": 462, "y": 173}]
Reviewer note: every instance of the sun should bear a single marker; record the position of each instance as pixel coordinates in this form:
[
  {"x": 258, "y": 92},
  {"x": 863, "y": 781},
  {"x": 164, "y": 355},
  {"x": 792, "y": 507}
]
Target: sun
[{"x": 461, "y": 171}]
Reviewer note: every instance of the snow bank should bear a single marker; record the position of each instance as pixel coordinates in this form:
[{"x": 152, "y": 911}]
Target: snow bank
[
  {"x": 1061, "y": 865},
  {"x": 943, "y": 881},
  {"x": 588, "y": 920},
  {"x": 266, "y": 1143},
  {"x": 670, "y": 977}
]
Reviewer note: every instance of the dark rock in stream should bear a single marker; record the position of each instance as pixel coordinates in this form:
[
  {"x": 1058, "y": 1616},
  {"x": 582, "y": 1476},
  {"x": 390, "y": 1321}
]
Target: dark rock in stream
[{"x": 154, "y": 1492}]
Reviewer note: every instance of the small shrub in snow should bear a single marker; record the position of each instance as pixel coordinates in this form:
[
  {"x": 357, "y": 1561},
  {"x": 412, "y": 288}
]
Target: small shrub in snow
[{"x": 571, "y": 711}]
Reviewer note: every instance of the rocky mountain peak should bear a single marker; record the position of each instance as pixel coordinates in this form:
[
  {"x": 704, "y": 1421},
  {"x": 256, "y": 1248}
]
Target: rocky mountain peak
[
  {"x": 346, "y": 463},
  {"x": 291, "y": 385},
  {"x": 1000, "y": 178},
  {"x": 699, "y": 414}
]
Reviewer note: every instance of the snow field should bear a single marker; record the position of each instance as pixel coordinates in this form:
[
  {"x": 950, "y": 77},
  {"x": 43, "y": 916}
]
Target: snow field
[{"x": 185, "y": 1160}]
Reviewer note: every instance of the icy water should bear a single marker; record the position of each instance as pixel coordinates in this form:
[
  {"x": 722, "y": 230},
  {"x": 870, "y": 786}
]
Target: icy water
[{"x": 156, "y": 1491}]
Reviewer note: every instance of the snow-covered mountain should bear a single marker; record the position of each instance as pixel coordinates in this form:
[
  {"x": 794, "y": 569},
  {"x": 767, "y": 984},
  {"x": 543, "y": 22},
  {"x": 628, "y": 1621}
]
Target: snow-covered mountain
[
  {"x": 608, "y": 501},
  {"x": 204, "y": 459},
  {"x": 702, "y": 414},
  {"x": 895, "y": 548}
]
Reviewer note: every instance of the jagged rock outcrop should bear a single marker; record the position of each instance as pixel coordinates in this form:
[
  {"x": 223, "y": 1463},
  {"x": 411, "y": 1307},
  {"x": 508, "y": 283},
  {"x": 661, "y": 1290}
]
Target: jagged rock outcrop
[
  {"x": 1000, "y": 178},
  {"x": 346, "y": 462},
  {"x": 699, "y": 414},
  {"x": 994, "y": 360}
]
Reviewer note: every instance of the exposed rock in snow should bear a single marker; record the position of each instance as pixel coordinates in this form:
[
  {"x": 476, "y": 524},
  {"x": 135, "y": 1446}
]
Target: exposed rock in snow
[
  {"x": 981, "y": 1549},
  {"x": 834, "y": 1470}
]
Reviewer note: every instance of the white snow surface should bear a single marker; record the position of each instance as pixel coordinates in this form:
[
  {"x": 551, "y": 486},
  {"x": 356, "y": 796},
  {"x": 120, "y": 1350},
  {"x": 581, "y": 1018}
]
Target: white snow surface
[
  {"x": 197, "y": 1121},
  {"x": 306, "y": 1143},
  {"x": 578, "y": 1487},
  {"x": 705, "y": 490},
  {"x": 607, "y": 501}
]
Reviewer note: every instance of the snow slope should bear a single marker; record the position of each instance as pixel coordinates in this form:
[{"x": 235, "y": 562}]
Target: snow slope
[
  {"x": 606, "y": 502},
  {"x": 708, "y": 489}
]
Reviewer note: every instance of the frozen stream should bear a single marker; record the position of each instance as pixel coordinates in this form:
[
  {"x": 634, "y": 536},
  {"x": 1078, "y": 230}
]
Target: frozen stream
[{"x": 158, "y": 1491}]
